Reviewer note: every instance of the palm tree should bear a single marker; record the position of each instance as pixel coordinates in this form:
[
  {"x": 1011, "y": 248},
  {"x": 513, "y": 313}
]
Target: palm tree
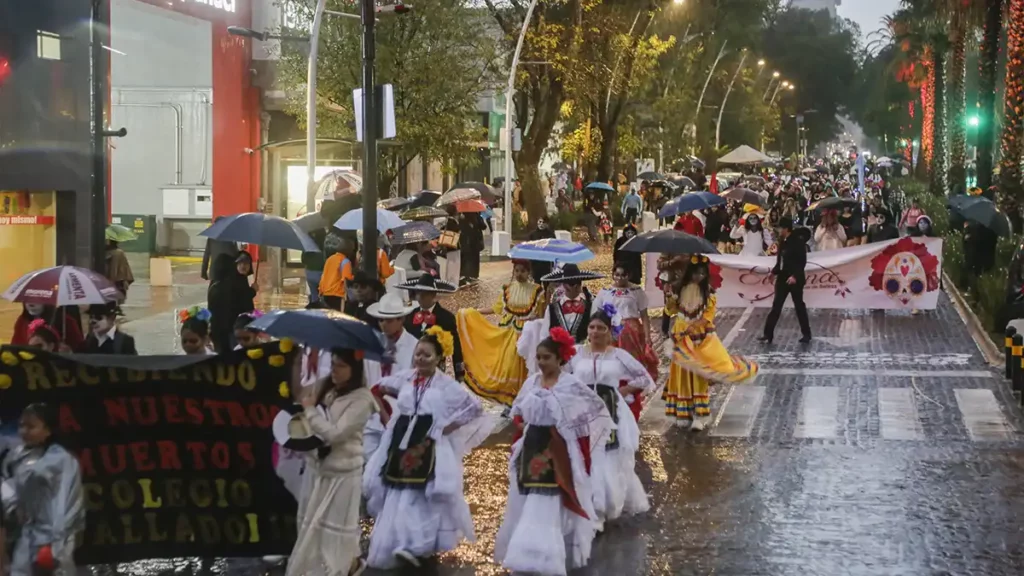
[
  {"x": 1013, "y": 112},
  {"x": 988, "y": 61},
  {"x": 959, "y": 19}
]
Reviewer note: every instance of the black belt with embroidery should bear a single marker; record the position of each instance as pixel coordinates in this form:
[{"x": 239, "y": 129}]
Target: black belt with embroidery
[
  {"x": 413, "y": 467},
  {"x": 610, "y": 397},
  {"x": 536, "y": 466}
]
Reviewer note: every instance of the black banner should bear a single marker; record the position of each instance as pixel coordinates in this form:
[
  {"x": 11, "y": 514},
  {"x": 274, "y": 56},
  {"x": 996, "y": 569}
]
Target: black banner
[{"x": 175, "y": 451}]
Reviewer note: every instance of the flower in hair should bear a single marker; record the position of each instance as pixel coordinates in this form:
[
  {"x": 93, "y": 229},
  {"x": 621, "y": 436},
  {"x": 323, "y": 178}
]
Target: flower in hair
[
  {"x": 566, "y": 343},
  {"x": 609, "y": 309},
  {"x": 40, "y": 324},
  {"x": 444, "y": 338},
  {"x": 197, "y": 312}
]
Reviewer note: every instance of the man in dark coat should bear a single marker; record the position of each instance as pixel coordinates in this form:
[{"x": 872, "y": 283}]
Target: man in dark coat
[
  {"x": 104, "y": 335},
  {"x": 366, "y": 289},
  {"x": 789, "y": 279},
  {"x": 571, "y": 310},
  {"x": 214, "y": 248},
  {"x": 429, "y": 313}
]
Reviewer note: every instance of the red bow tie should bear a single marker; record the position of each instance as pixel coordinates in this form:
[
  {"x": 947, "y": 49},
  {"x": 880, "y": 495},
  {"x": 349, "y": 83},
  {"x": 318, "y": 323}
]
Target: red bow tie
[
  {"x": 422, "y": 317},
  {"x": 572, "y": 307}
]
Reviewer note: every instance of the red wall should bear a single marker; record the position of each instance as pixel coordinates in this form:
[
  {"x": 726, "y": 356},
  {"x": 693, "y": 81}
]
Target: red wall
[{"x": 236, "y": 107}]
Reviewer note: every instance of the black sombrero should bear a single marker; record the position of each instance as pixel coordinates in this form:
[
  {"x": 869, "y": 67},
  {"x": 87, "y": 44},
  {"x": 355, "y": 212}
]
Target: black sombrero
[
  {"x": 292, "y": 431},
  {"x": 426, "y": 283},
  {"x": 570, "y": 273}
]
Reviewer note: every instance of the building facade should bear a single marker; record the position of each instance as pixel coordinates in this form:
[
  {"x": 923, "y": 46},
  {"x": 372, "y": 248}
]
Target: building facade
[{"x": 830, "y": 6}]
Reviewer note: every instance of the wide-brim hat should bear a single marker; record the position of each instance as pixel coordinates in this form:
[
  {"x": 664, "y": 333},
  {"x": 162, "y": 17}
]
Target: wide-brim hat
[
  {"x": 292, "y": 431},
  {"x": 570, "y": 273},
  {"x": 362, "y": 278},
  {"x": 390, "y": 306},
  {"x": 427, "y": 283},
  {"x": 108, "y": 309}
]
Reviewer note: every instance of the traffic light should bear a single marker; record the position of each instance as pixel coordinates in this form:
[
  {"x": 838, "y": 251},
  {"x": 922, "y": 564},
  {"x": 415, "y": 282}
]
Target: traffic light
[{"x": 974, "y": 121}]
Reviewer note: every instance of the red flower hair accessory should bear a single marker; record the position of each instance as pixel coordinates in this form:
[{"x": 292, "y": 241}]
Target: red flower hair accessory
[
  {"x": 566, "y": 343},
  {"x": 40, "y": 324}
]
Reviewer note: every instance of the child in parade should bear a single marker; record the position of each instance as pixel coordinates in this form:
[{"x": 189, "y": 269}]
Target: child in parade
[
  {"x": 105, "y": 337},
  {"x": 550, "y": 522},
  {"x": 328, "y": 538},
  {"x": 245, "y": 336},
  {"x": 413, "y": 484},
  {"x": 195, "y": 331},
  {"x": 43, "y": 508},
  {"x": 43, "y": 336}
]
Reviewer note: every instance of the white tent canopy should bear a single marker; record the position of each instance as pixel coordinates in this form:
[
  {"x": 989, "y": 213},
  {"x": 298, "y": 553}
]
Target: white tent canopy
[{"x": 744, "y": 155}]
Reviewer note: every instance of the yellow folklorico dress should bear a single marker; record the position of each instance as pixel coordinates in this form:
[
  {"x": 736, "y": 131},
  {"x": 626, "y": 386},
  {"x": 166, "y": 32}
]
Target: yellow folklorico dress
[
  {"x": 494, "y": 368},
  {"x": 698, "y": 357}
]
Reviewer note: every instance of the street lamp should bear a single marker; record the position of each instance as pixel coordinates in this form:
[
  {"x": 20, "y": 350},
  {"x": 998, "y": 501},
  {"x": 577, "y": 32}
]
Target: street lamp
[
  {"x": 775, "y": 76},
  {"x": 678, "y": 2},
  {"x": 761, "y": 62}
]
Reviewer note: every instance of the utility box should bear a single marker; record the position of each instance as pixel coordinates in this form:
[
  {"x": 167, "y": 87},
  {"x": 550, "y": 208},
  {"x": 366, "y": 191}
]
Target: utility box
[{"x": 144, "y": 226}]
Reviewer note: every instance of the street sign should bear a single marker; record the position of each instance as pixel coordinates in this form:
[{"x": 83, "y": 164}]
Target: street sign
[
  {"x": 385, "y": 109},
  {"x": 517, "y": 140}
]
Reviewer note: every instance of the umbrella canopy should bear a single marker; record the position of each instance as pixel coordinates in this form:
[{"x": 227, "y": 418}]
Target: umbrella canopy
[
  {"x": 394, "y": 203},
  {"x": 323, "y": 329},
  {"x": 729, "y": 175},
  {"x": 487, "y": 193},
  {"x": 118, "y": 233},
  {"x": 669, "y": 242},
  {"x": 457, "y": 195},
  {"x": 833, "y": 203},
  {"x": 428, "y": 213},
  {"x": 600, "y": 186},
  {"x": 414, "y": 232},
  {"x": 470, "y": 206},
  {"x": 386, "y": 220},
  {"x": 311, "y": 222},
  {"x": 689, "y": 203},
  {"x": 338, "y": 182},
  {"x": 62, "y": 286},
  {"x": 745, "y": 195},
  {"x": 744, "y": 155},
  {"x": 696, "y": 162},
  {"x": 808, "y": 171},
  {"x": 753, "y": 178},
  {"x": 424, "y": 198},
  {"x": 551, "y": 250},
  {"x": 261, "y": 229},
  {"x": 649, "y": 176},
  {"x": 684, "y": 182},
  {"x": 982, "y": 211}
]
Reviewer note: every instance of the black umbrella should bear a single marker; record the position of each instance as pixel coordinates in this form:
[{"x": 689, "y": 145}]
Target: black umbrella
[
  {"x": 669, "y": 242},
  {"x": 649, "y": 175},
  {"x": 424, "y": 198},
  {"x": 394, "y": 203},
  {"x": 981, "y": 210},
  {"x": 834, "y": 203},
  {"x": 684, "y": 182},
  {"x": 323, "y": 329},
  {"x": 745, "y": 195}
]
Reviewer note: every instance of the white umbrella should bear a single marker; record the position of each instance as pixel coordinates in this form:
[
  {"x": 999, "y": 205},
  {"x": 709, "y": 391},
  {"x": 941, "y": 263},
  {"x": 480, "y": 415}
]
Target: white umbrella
[
  {"x": 353, "y": 220},
  {"x": 745, "y": 155}
]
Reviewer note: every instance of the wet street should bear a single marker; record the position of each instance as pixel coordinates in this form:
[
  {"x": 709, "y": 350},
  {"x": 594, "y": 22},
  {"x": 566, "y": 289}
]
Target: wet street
[{"x": 886, "y": 447}]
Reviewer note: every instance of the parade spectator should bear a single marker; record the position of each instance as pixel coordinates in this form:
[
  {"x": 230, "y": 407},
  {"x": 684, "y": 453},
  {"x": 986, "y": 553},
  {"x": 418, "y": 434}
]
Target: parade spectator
[{"x": 228, "y": 297}]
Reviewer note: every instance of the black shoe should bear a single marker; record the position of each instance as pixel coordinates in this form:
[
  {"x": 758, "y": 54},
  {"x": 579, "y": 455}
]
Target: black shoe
[
  {"x": 805, "y": 340},
  {"x": 765, "y": 339}
]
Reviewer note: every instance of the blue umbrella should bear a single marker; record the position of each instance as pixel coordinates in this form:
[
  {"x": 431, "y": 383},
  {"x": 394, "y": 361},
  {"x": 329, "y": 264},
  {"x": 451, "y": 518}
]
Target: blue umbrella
[
  {"x": 600, "y": 186},
  {"x": 261, "y": 229},
  {"x": 689, "y": 203},
  {"x": 551, "y": 250},
  {"x": 323, "y": 329},
  {"x": 414, "y": 232},
  {"x": 353, "y": 220}
]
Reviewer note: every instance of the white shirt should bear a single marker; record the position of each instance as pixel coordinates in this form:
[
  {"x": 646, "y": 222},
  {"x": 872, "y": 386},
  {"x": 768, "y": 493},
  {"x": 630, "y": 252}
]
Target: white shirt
[
  {"x": 323, "y": 366},
  {"x": 628, "y": 302},
  {"x": 404, "y": 349},
  {"x": 108, "y": 336}
]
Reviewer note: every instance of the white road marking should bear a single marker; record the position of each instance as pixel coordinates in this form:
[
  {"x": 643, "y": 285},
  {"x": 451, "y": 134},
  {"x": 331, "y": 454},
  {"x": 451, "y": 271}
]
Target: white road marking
[
  {"x": 982, "y": 416},
  {"x": 879, "y": 372},
  {"x": 818, "y": 410},
  {"x": 737, "y": 327},
  {"x": 897, "y": 414},
  {"x": 744, "y": 403}
]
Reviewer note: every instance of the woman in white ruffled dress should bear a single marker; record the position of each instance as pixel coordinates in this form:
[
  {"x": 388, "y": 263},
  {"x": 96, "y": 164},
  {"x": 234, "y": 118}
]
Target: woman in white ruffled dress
[
  {"x": 413, "y": 484},
  {"x": 550, "y": 521},
  {"x": 616, "y": 377}
]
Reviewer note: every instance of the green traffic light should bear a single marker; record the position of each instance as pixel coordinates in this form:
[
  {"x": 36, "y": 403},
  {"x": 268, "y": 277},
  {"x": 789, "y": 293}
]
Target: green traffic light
[{"x": 974, "y": 121}]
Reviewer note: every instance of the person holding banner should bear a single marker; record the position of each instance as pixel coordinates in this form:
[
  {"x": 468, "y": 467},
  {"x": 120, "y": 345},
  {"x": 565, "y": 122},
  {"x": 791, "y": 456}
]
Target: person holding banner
[
  {"x": 413, "y": 483},
  {"x": 789, "y": 279},
  {"x": 328, "y": 518},
  {"x": 43, "y": 507}
]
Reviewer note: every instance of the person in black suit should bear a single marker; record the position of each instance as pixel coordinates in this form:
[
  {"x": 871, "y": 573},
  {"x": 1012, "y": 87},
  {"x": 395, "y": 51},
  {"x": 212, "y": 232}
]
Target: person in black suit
[
  {"x": 789, "y": 279},
  {"x": 571, "y": 310},
  {"x": 429, "y": 313},
  {"x": 104, "y": 335},
  {"x": 365, "y": 289}
]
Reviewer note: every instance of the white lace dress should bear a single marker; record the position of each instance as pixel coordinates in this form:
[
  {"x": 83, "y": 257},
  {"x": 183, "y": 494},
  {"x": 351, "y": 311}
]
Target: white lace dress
[
  {"x": 539, "y": 534},
  {"x": 434, "y": 517},
  {"x": 617, "y": 488}
]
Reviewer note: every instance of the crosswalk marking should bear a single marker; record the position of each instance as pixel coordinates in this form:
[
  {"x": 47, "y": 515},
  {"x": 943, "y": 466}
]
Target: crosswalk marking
[
  {"x": 898, "y": 415},
  {"x": 818, "y": 410},
  {"x": 740, "y": 412},
  {"x": 982, "y": 416}
]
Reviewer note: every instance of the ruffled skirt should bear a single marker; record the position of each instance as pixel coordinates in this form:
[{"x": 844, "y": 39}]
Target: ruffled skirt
[
  {"x": 494, "y": 369},
  {"x": 710, "y": 360},
  {"x": 633, "y": 340},
  {"x": 617, "y": 488}
]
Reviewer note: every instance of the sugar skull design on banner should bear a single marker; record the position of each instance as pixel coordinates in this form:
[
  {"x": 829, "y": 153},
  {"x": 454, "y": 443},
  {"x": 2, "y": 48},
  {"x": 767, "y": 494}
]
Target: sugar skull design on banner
[{"x": 904, "y": 271}]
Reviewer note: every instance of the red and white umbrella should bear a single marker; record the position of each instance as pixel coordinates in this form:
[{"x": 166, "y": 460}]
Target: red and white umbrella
[{"x": 62, "y": 286}]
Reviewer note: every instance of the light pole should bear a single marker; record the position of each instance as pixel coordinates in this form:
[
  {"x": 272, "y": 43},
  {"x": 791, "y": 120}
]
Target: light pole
[
  {"x": 700, "y": 101},
  {"x": 509, "y": 93},
  {"x": 721, "y": 109},
  {"x": 775, "y": 76},
  {"x": 778, "y": 87},
  {"x": 314, "y": 48}
]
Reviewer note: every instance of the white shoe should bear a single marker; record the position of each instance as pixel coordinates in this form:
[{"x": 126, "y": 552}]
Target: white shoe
[
  {"x": 683, "y": 423},
  {"x": 407, "y": 556},
  {"x": 698, "y": 425}
]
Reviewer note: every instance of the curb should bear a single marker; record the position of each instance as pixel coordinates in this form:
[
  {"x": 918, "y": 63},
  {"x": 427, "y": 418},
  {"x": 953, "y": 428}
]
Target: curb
[{"x": 993, "y": 354}]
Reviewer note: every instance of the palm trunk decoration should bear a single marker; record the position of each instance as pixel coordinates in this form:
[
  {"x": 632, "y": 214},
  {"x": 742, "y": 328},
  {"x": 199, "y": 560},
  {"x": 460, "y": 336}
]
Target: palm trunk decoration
[
  {"x": 988, "y": 61},
  {"x": 937, "y": 184},
  {"x": 1013, "y": 113},
  {"x": 957, "y": 99}
]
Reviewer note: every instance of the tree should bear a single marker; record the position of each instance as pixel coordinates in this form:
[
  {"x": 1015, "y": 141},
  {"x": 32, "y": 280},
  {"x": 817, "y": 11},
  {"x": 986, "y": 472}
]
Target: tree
[
  {"x": 1013, "y": 109},
  {"x": 439, "y": 58},
  {"x": 987, "y": 64}
]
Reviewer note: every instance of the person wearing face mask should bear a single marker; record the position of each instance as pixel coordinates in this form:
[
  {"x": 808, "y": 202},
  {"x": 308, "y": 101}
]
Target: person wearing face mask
[
  {"x": 68, "y": 330},
  {"x": 413, "y": 483},
  {"x": 539, "y": 269},
  {"x": 550, "y": 521},
  {"x": 632, "y": 260},
  {"x": 882, "y": 230},
  {"x": 751, "y": 231},
  {"x": 228, "y": 297},
  {"x": 104, "y": 335},
  {"x": 572, "y": 309},
  {"x": 698, "y": 356}
]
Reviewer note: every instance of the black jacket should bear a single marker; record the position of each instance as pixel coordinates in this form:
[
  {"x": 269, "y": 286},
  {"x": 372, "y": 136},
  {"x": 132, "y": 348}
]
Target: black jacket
[
  {"x": 579, "y": 332},
  {"x": 360, "y": 311},
  {"x": 792, "y": 257},
  {"x": 445, "y": 320},
  {"x": 121, "y": 343}
]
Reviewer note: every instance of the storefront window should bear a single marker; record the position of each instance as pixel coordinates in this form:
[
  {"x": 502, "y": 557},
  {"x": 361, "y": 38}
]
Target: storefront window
[
  {"x": 296, "y": 204},
  {"x": 28, "y": 238}
]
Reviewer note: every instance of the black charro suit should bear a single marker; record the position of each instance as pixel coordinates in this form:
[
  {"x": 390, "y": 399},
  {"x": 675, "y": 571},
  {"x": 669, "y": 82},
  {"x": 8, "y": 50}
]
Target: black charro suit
[
  {"x": 790, "y": 263},
  {"x": 444, "y": 319}
]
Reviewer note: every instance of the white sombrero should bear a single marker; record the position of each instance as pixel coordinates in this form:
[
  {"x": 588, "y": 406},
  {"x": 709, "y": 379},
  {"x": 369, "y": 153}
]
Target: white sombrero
[
  {"x": 390, "y": 306},
  {"x": 292, "y": 431}
]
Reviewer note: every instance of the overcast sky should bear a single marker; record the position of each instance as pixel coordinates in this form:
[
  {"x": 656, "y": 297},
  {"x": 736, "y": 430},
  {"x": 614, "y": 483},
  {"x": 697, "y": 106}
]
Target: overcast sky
[{"x": 867, "y": 13}]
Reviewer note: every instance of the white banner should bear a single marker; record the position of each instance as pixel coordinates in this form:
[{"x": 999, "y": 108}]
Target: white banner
[{"x": 895, "y": 275}]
